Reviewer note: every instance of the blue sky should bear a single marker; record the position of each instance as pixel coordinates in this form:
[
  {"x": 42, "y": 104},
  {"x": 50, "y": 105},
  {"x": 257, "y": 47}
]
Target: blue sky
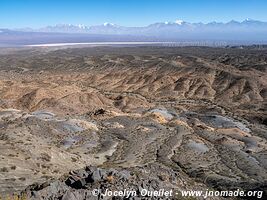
[{"x": 39, "y": 13}]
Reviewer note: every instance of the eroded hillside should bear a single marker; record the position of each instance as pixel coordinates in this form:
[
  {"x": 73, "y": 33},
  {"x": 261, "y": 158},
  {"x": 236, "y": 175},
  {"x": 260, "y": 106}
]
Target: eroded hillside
[{"x": 191, "y": 117}]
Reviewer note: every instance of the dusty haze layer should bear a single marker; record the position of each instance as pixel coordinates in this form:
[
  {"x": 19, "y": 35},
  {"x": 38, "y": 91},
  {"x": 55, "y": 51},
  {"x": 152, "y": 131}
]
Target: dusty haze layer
[{"x": 180, "y": 118}]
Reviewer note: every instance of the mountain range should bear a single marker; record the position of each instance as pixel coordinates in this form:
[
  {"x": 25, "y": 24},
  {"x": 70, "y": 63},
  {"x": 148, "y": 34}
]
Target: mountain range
[
  {"x": 247, "y": 31},
  {"x": 154, "y": 29}
]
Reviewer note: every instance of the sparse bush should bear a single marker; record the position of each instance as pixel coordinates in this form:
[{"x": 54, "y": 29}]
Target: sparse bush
[
  {"x": 3, "y": 169},
  {"x": 13, "y": 167}
]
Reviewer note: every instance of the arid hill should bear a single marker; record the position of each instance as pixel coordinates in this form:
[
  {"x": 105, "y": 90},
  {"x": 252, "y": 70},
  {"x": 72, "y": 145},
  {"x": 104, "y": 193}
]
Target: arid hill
[{"x": 191, "y": 117}]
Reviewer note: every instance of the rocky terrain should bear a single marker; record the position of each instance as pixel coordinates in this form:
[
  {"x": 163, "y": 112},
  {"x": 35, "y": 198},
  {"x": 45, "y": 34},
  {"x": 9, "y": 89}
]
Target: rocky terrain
[{"x": 77, "y": 119}]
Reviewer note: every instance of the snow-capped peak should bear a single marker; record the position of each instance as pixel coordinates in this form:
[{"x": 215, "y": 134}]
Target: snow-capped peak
[
  {"x": 178, "y": 21},
  {"x": 108, "y": 24},
  {"x": 81, "y": 26},
  {"x": 63, "y": 25}
]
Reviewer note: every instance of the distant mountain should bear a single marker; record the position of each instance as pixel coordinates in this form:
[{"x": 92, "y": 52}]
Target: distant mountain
[
  {"x": 248, "y": 31},
  {"x": 160, "y": 28},
  {"x": 64, "y": 28}
]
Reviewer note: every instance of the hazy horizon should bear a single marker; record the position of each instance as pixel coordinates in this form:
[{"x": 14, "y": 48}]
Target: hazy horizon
[{"x": 29, "y": 22}]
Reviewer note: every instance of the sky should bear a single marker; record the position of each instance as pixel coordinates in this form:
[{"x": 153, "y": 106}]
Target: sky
[{"x": 40, "y": 13}]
